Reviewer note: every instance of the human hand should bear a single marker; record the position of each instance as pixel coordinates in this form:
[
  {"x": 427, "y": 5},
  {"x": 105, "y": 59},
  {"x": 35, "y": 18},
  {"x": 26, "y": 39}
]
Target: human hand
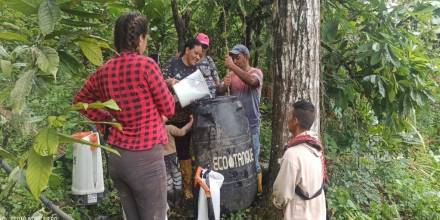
[
  {"x": 227, "y": 80},
  {"x": 171, "y": 81},
  {"x": 164, "y": 118},
  {"x": 228, "y": 61}
]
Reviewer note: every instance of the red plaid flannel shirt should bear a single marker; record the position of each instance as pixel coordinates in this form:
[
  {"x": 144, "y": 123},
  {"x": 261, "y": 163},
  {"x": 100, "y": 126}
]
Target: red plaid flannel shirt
[{"x": 136, "y": 84}]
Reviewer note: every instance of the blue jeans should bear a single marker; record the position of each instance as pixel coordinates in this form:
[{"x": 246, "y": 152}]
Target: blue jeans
[{"x": 256, "y": 149}]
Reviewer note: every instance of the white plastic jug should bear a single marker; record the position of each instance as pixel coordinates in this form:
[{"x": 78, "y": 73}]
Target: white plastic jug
[
  {"x": 87, "y": 173},
  {"x": 215, "y": 183},
  {"x": 191, "y": 88}
]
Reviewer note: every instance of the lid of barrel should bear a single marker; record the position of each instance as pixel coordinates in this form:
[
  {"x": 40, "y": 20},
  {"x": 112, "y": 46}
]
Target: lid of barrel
[{"x": 218, "y": 99}]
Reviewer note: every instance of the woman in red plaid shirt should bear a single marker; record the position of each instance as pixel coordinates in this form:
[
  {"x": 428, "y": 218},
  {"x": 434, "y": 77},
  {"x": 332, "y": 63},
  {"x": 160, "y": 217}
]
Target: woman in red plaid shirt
[{"x": 136, "y": 84}]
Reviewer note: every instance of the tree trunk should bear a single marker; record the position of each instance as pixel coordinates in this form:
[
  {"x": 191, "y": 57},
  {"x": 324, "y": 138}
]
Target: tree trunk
[
  {"x": 181, "y": 23},
  {"x": 296, "y": 68}
]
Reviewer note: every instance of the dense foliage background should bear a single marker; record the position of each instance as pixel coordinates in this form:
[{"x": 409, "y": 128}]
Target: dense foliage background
[{"x": 380, "y": 105}]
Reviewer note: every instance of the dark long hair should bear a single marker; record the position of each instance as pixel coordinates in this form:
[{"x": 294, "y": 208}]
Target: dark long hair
[
  {"x": 128, "y": 28},
  {"x": 190, "y": 44}
]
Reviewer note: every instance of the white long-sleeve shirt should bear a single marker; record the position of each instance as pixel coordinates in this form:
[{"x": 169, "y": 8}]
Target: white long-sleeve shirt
[{"x": 300, "y": 165}]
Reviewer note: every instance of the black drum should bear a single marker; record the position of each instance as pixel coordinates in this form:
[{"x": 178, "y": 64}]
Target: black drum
[{"x": 221, "y": 140}]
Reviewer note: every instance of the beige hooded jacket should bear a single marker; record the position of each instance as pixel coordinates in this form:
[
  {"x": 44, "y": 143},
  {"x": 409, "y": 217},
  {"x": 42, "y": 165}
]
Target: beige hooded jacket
[{"x": 301, "y": 165}]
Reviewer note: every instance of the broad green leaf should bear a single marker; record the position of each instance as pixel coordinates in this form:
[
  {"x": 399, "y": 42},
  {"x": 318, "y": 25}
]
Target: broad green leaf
[
  {"x": 101, "y": 42},
  {"x": 46, "y": 143},
  {"x": 27, "y": 7},
  {"x": 13, "y": 36},
  {"x": 92, "y": 52},
  {"x": 48, "y": 60},
  {"x": 48, "y": 15},
  {"x": 68, "y": 139},
  {"x": 38, "y": 171},
  {"x": 6, "y": 68},
  {"x": 18, "y": 175},
  {"x": 7, "y": 155},
  {"x": 21, "y": 90},
  {"x": 69, "y": 64},
  {"x": 110, "y": 104}
]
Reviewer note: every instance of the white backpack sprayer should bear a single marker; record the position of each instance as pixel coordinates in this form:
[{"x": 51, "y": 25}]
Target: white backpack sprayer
[{"x": 87, "y": 173}]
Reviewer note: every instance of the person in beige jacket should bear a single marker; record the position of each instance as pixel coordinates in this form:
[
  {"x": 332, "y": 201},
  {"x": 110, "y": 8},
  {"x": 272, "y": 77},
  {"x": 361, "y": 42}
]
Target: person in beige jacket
[{"x": 298, "y": 188}]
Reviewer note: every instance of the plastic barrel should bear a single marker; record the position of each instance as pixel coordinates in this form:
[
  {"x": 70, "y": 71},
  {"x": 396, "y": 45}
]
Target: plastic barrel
[{"x": 221, "y": 140}]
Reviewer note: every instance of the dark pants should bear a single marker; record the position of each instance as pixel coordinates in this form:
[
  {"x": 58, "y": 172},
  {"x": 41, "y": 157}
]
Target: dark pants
[
  {"x": 182, "y": 144},
  {"x": 140, "y": 178}
]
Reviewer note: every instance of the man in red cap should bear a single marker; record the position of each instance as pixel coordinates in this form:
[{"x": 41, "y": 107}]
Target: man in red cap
[{"x": 207, "y": 65}]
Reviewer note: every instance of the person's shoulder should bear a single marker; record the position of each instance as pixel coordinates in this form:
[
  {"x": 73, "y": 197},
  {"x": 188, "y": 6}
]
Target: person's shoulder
[
  {"x": 296, "y": 151},
  {"x": 174, "y": 60},
  {"x": 144, "y": 59}
]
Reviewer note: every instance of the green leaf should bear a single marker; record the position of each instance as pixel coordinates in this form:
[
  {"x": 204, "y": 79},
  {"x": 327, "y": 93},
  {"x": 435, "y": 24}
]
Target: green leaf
[
  {"x": 371, "y": 78},
  {"x": 375, "y": 59},
  {"x": 69, "y": 64},
  {"x": 56, "y": 121},
  {"x": 391, "y": 57},
  {"x": 46, "y": 143},
  {"x": 92, "y": 52},
  {"x": 391, "y": 95},
  {"x": 6, "y": 68},
  {"x": 48, "y": 60},
  {"x": 114, "y": 124},
  {"x": 18, "y": 175},
  {"x": 5, "y": 93},
  {"x": 55, "y": 180},
  {"x": 82, "y": 14},
  {"x": 27, "y": 7},
  {"x": 79, "y": 106},
  {"x": 111, "y": 104},
  {"x": 48, "y": 15},
  {"x": 376, "y": 47},
  {"x": 21, "y": 90},
  {"x": 330, "y": 29},
  {"x": 13, "y": 36},
  {"x": 68, "y": 139},
  {"x": 139, "y": 4},
  {"x": 3, "y": 53},
  {"x": 6, "y": 155},
  {"x": 381, "y": 87},
  {"x": 38, "y": 172}
]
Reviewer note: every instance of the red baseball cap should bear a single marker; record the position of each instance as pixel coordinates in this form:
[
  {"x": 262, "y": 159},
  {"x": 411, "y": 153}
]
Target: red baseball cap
[{"x": 203, "y": 39}]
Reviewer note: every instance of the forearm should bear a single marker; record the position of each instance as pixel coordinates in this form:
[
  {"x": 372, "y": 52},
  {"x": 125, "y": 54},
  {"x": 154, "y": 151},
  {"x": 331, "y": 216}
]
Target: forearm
[{"x": 244, "y": 76}]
